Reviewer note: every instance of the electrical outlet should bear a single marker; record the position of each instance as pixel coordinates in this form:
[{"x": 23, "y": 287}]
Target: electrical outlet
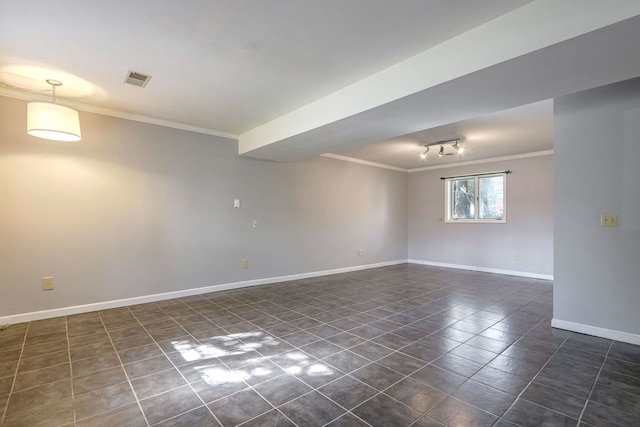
[
  {"x": 47, "y": 283},
  {"x": 516, "y": 256},
  {"x": 236, "y": 203},
  {"x": 359, "y": 252},
  {"x": 244, "y": 263},
  {"x": 255, "y": 223},
  {"x": 609, "y": 220}
]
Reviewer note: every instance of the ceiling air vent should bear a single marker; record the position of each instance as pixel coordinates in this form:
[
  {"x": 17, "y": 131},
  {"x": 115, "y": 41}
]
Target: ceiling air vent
[{"x": 137, "y": 79}]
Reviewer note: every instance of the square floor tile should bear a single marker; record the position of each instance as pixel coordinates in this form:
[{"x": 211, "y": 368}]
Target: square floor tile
[
  {"x": 321, "y": 349},
  {"x": 622, "y": 400},
  {"x": 371, "y": 351},
  {"x": 439, "y": 378},
  {"x": 260, "y": 371},
  {"x": 556, "y": 400},
  {"x": 458, "y": 365},
  {"x": 419, "y": 396},
  {"x": 169, "y": 404},
  {"x": 59, "y": 412},
  {"x": 500, "y": 380},
  {"x": 377, "y": 376},
  {"x": 348, "y": 392},
  {"x": 272, "y": 418},
  {"x": 102, "y": 400},
  {"x": 619, "y": 381},
  {"x": 282, "y": 389},
  {"x": 382, "y": 410},
  {"x": 157, "y": 383},
  {"x": 599, "y": 415},
  {"x": 129, "y": 415},
  {"x": 454, "y": 412},
  {"x": 318, "y": 373},
  {"x": 474, "y": 354},
  {"x": 36, "y": 396},
  {"x": 96, "y": 380},
  {"x": 42, "y": 376},
  {"x": 311, "y": 410},
  {"x": 527, "y": 414},
  {"x": 402, "y": 363},
  {"x": 348, "y": 420},
  {"x": 239, "y": 407},
  {"x": 484, "y": 397}
]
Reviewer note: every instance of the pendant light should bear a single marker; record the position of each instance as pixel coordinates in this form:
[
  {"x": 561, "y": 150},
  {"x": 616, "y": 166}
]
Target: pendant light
[{"x": 49, "y": 120}]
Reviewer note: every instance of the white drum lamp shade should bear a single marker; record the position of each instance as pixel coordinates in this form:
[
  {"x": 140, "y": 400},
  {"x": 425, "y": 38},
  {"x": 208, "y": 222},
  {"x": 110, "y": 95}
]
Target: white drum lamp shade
[{"x": 52, "y": 121}]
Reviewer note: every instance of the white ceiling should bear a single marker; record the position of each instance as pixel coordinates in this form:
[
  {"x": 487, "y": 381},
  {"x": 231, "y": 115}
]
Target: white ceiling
[
  {"x": 226, "y": 65},
  {"x": 298, "y": 78},
  {"x": 516, "y": 131}
]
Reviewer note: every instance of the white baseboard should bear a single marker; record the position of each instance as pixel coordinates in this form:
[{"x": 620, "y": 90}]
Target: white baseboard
[
  {"x": 484, "y": 269},
  {"x": 85, "y": 308},
  {"x": 596, "y": 331}
]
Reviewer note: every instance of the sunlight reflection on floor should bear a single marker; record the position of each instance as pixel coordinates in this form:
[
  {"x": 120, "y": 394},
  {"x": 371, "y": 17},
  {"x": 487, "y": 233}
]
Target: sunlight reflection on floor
[{"x": 219, "y": 354}]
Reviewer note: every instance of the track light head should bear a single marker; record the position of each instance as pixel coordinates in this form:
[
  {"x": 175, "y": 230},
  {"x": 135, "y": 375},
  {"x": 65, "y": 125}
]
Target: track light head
[
  {"x": 458, "y": 148},
  {"x": 441, "y": 152}
]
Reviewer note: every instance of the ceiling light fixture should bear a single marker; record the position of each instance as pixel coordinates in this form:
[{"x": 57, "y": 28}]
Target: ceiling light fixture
[
  {"x": 455, "y": 143},
  {"x": 49, "y": 120},
  {"x": 458, "y": 148}
]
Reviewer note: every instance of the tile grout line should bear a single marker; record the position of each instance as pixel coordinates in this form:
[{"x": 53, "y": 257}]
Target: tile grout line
[
  {"x": 73, "y": 395},
  {"x": 531, "y": 380},
  {"x": 135, "y": 395},
  {"x": 15, "y": 375},
  {"x": 586, "y": 403}
]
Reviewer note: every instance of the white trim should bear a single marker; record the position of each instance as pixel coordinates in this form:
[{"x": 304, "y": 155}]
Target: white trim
[
  {"x": 596, "y": 331},
  {"x": 490, "y": 160},
  {"x": 362, "y": 162},
  {"x": 85, "y": 308},
  {"x": 483, "y": 269},
  {"x": 30, "y": 96},
  {"x": 447, "y": 166}
]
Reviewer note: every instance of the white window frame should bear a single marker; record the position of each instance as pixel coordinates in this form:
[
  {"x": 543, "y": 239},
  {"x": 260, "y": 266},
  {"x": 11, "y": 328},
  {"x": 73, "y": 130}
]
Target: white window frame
[{"x": 448, "y": 199}]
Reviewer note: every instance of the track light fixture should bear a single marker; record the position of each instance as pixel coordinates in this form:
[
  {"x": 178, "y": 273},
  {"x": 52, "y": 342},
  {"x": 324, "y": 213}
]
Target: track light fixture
[{"x": 455, "y": 143}]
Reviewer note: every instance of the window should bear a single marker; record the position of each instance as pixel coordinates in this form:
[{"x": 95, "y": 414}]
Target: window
[{"x": 476, "y": 198}]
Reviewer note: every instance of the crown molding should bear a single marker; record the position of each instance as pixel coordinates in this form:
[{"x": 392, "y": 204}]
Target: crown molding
[
  {"x": 447, "y": 166},
  {"x": 481, "y": 161},
  {"x": 30, "y": 96},
  {"x": 363, "y": 162}
]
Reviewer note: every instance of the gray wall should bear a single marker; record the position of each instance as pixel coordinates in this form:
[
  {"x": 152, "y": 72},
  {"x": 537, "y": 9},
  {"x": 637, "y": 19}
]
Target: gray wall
[
  {"x": 597, "y": 158},
  {"x": 136, "y": 209},
  {"x": 528, "y": 231}
]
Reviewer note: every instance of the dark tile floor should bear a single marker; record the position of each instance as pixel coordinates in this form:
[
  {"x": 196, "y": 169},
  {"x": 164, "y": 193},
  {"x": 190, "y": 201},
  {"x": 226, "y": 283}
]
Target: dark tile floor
[{"x": 405, "y": 345}]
